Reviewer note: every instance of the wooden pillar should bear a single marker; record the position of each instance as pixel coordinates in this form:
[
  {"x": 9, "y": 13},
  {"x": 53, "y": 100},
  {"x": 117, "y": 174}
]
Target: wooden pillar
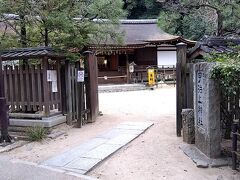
[
  {"x": 92, "y": 87},
  {"x": 63, "y": 89},
  {"x": 1, "y": 79},
  {"x": 80, "y": 99},
  {"x": 46, "y": 89},
  {"x": 189, "y": 85},
  {"x": 69, "y": 99},
  {"x": 180, "y": 84},
  {"x": 4, "y": 120},
  {"x": 59, "y": 86},
  {"x": 127, "y": 69}
]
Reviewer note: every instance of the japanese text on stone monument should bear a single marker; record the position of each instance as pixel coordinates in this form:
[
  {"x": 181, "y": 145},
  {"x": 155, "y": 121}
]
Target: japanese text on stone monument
[{"x": 200, "y": 98}]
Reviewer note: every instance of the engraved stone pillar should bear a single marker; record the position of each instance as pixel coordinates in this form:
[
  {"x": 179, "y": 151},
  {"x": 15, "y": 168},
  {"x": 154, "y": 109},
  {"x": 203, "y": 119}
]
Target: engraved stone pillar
[
  {"x": 207, "y": 111},
  {"x": 188, "y": 126}
]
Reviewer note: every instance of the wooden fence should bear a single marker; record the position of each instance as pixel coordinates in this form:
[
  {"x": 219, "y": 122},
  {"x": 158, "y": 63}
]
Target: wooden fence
[
  {"x": 27, "y": 90},
  {"x": 230, "y": 124},
  {"x": 230, "y": 110},
  {"x": 166, "y": 74}
]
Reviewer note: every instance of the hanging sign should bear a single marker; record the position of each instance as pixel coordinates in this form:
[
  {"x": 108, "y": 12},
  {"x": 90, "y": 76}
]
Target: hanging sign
[
  {"x": 131, "y": 68},
  {"x": 80, "y": 76}
]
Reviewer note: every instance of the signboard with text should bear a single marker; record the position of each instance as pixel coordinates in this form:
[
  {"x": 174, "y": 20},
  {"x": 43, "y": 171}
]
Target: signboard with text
[{"x": 80, "y": 76}]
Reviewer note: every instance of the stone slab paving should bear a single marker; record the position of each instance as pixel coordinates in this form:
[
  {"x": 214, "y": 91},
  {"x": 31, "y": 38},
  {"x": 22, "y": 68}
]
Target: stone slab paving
[{"x": 86, "y": 156}]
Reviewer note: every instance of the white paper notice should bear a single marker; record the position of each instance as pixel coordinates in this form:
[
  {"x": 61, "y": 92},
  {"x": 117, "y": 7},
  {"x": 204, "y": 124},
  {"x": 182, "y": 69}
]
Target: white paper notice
[
  {"x": 54, "y": 86},
  {"x": 80, "y": 76},
  {"x": 51, "y": 75}
]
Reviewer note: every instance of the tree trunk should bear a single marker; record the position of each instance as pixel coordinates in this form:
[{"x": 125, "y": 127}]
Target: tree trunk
[
  {"x": 219, "y": 23},
  {"x": 46, "y": 38},
  {"x": 23, "y": 38}
]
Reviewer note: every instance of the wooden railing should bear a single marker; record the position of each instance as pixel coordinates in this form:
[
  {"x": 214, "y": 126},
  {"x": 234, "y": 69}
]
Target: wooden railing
[{"x": 163, "y": 73}]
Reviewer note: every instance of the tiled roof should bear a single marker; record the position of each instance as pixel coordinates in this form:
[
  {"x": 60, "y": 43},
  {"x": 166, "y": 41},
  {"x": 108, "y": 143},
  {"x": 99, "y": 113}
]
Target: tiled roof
[
  {"x": 143, "y": 31},
  {"x": 215, "y": 44},
  {"x": 21, "y": 53}
]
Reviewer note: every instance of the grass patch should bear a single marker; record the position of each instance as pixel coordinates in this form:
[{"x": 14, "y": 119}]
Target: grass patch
[{"x": 36, "y": 133}]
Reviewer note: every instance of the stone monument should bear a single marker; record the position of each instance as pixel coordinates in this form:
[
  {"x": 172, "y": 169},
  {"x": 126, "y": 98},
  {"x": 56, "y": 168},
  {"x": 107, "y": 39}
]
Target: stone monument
[{"x": 206, "y": 111}]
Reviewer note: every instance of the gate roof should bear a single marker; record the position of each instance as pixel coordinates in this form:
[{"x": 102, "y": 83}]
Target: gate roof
[{"x": 31, "y": 53}]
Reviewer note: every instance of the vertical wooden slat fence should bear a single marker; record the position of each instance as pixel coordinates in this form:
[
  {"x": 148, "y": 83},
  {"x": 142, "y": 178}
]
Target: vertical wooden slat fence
[
  {"x": 26, "y": 89},
  {"x": 230, "y": 124},
  {"x": 230, "y": 111}
]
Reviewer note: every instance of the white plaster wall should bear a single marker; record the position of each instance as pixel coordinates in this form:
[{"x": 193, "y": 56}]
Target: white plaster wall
[{"x": 166, "y": 58}]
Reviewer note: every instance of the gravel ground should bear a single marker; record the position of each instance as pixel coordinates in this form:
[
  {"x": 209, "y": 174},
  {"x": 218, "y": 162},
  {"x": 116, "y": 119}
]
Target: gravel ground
[{"x": 153, "y": 155}]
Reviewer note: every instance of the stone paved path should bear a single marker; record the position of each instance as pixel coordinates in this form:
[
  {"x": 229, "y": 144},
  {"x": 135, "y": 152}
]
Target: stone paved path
[{"x": 86, "y": 156}]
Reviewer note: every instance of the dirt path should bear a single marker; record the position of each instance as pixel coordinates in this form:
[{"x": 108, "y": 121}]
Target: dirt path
[{"x": 154, "y": 155}]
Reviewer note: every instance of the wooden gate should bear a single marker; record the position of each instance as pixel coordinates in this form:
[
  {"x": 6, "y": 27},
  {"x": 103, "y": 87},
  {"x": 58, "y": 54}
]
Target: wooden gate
[
  {"x": 75, "y": 95},
  {"x": 80, "y": 97}
]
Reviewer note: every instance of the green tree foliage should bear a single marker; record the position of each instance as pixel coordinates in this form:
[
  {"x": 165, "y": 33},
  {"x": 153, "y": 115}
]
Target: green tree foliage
[
  {"x": 195, "y": 18},
  {"x": 142, "y": 9},
  {"x": 227, "y": 71},
  {"x": 64, "y": 24}
]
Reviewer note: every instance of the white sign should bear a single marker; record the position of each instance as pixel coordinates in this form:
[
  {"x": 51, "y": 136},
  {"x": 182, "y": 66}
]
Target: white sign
[
  {"x": 54, "y": 86},
  {"x": 80, "y": 76},
  {"x": 51, "y": 75},
  {"x": 200, "y": 99},
  {"x": 131, "y": 68}
]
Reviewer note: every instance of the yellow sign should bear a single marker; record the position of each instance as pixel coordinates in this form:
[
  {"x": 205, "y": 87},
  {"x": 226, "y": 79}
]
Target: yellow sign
[{"x": 151, "y": 77}]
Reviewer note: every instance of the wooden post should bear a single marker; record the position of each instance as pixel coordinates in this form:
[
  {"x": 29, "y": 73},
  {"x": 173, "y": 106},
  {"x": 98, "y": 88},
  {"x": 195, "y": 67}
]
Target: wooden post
[
  {"x": 68, "y": 92},
  {"x": 63, "y": 89},
  {"x": 189, "y": 86},
  {"x": 80, "y": 92},
  {"x": 127, "y": 69},
  {"x": 234, "y": 146},
  {"x": 180, "y": 84},
  {"x": 46, "y": 89},
  {"x": 92, "y": 87},
  {"x": 4, "y": 118},
  {"x": 1, "y": 80}
]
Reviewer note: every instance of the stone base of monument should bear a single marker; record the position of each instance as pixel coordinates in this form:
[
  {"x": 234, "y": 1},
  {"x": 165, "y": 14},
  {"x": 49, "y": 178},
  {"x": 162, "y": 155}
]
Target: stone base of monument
[
  {"x": 201, "y": 160},
  {"x": 188, "y": 126}
]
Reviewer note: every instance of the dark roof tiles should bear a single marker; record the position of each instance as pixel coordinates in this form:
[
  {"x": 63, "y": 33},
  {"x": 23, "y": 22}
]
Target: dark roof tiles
[
  {"x": 143, "y": 31},
  {"x": 20, "y": 53}
]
